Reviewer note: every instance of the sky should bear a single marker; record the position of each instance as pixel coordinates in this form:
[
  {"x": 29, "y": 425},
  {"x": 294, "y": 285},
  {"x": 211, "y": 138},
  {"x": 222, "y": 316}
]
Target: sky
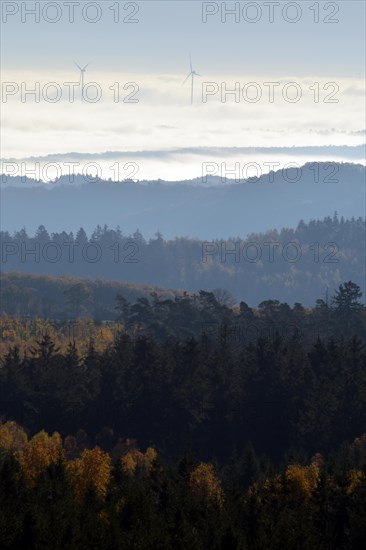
[{"x": 297, "y": 69}]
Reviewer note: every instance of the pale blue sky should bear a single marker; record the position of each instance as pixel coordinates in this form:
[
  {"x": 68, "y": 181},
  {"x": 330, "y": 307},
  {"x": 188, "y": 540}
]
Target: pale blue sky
[{"x": 168, "y": 30}]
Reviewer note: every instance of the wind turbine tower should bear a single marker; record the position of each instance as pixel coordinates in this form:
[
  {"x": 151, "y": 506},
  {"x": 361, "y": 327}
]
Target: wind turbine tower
[
  {"x": 81, "y": 81},
  {"x": 192, "y": 74}
]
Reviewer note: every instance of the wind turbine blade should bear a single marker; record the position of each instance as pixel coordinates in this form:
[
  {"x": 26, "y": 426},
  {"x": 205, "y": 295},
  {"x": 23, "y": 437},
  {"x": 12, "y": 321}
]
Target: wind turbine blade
[
  {"x": 87, "y": 65},
  {"x": 197, "y": 74},
  {"x": 78, "y": 66},
  {"x": 185, "y": 80}
]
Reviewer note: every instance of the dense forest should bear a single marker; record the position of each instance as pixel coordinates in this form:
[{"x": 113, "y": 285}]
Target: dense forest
[
  {"x": 211, "y": 390},
  {"x": 67, "y": 493},
  {"x": 67, "y": 308},
  {"x": 138, "y": 415},
  {"x": 166, "y": 432},
  {"x": 294, "y": 265},
  {"x": 47, "y": 296}
]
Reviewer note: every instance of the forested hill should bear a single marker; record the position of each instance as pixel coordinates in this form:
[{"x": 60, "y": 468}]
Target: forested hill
[
  {"x": 35, "y": 305},
  {"x": 282, "y": 430},
  {"x": 291, "y": 265},
  {"x": 31, "y": 296},
  {"x": 190, "y": 208}
]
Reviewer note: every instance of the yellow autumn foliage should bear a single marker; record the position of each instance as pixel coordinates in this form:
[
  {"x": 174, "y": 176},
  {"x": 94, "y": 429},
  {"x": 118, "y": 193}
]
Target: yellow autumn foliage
[
  {"x": 356, "y": 478},
  {"x": 205, "y": 485},
  {"x": 301, "y": 481},
  {"x": 12, "y": 437},
  {"x": 25, "y": 333},
  {"x": 135, "y": 461},
  {"x": 91, "y": 471},
  {"x": 39, "y": 453}
]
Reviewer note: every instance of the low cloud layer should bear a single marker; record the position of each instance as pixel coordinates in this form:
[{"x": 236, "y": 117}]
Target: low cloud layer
[{"x": 153, "y": 119}]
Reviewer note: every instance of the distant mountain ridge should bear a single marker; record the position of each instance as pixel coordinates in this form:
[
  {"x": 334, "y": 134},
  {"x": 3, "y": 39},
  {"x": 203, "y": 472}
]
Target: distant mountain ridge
[
  {"x": 325, "y": 171},
  {"x": 187, "y": 208}
]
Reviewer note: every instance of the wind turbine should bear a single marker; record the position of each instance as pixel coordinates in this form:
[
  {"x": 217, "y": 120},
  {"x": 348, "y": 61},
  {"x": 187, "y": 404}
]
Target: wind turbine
[
  {"x": 81, "y": 81},
  {"x": 192, "y": 74}
]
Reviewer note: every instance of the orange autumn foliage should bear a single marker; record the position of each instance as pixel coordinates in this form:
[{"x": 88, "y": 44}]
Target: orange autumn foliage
[
  {"x": 301, "y": 481},
  {"x": 205, "y": 485},
  {"x": 91, "y": 471},
  {"x": 12, "y": 437},
  {"x": 39, "y": 453},
  {"x": 356, "y": 478},
  {"x": 136, "y": 463}
]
